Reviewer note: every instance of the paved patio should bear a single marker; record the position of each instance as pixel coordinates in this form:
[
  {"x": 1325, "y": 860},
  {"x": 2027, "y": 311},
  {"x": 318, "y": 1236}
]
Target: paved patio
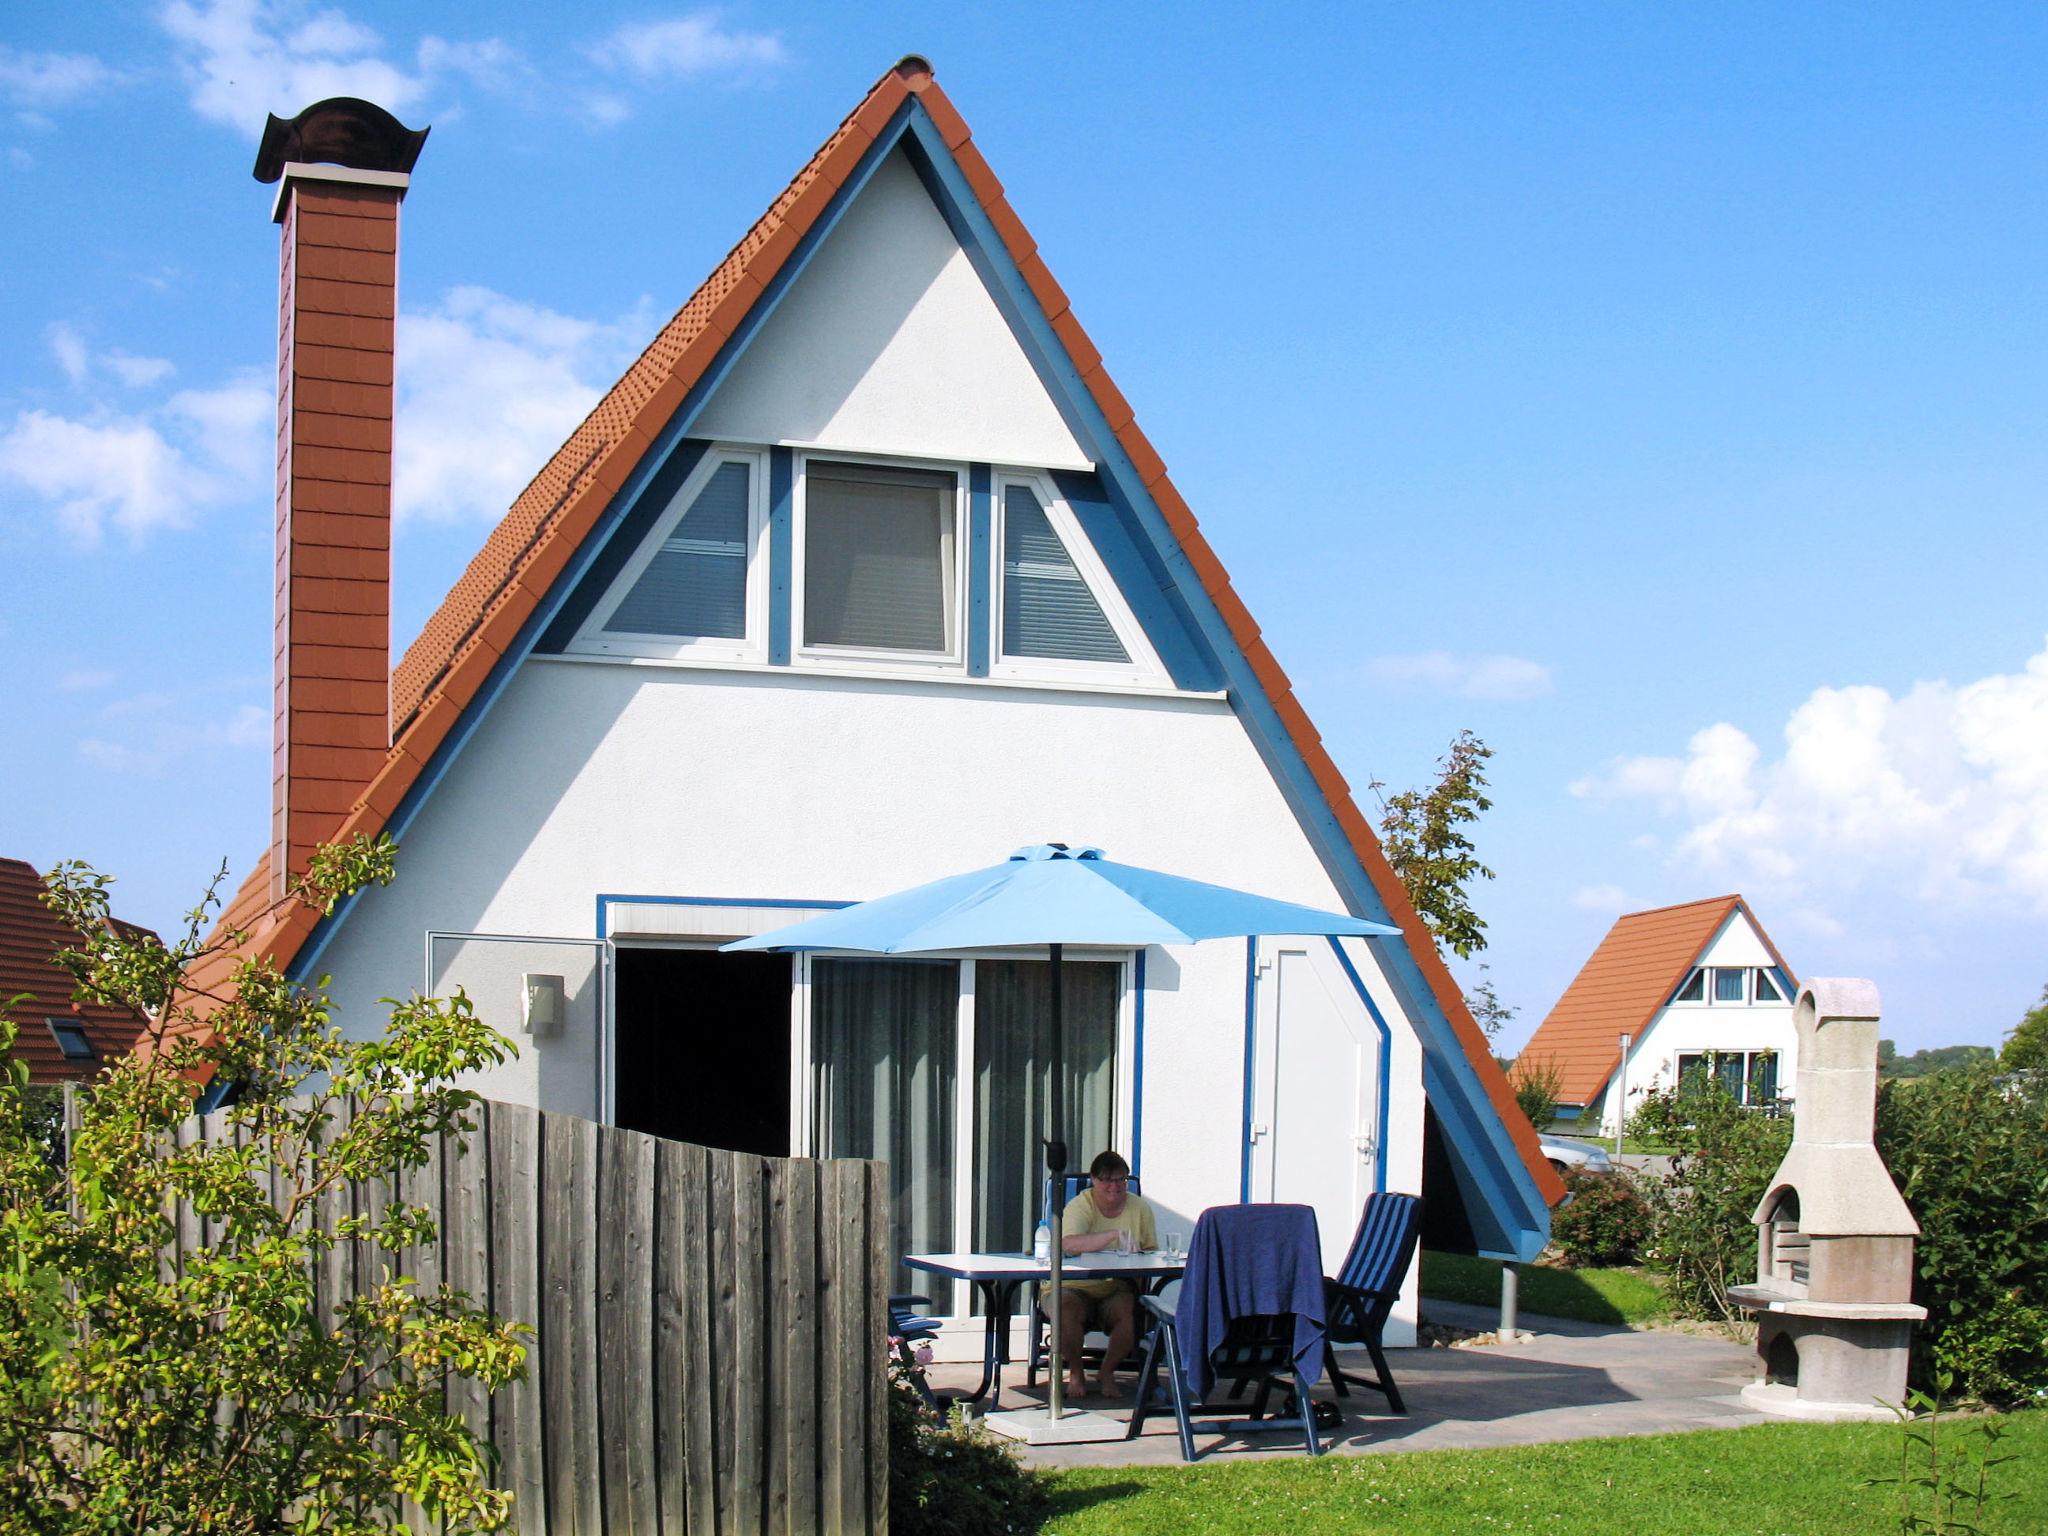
[{"x": 1570, "y": 1381}]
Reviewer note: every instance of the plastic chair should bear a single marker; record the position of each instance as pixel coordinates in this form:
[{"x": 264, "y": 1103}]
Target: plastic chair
[
  {"x": 1362, "y": 1296},
  {"x": 1255, "y": 1346},
  {"x": 1041, "y": 1332}
]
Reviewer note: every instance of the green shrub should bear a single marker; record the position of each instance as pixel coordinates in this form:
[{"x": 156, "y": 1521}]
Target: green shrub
[
  {"x": 1606, "y": 1221},
  {"x": 1537, "y": 1084},
  {"x": 1704, "y": 1209},
  {"x": 1970, "y": 1154},
  {"x": 951, "y": 1477}
]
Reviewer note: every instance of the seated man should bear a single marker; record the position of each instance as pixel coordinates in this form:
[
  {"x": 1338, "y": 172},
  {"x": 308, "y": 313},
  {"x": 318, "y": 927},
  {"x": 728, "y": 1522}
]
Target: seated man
[{"x": 1103, "y": 1216}]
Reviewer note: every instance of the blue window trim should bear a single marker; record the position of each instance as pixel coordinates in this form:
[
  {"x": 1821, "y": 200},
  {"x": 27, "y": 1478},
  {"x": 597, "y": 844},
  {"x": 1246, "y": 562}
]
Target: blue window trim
[
  {"x": 1138, "y": 1069},
  {"x": 1251, "y": 1032},
  {"x": 1386, "y": 1073},
  {"x": 980, "y": 523},
  {"x": 781, "y": 521},
  {"x": 1507, "y": 1202}
]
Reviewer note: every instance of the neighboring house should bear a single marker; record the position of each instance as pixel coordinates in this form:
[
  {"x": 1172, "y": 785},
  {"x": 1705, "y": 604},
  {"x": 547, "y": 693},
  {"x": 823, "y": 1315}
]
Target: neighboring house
[
  {"x": 61, "y": 1040},
  {"x": 1695, "y": 987},
  {"x": 862, "y": 575}
]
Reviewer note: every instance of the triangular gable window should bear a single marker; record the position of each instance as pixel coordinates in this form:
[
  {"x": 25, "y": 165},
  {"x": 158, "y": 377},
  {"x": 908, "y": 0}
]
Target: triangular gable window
[
  {"x": 1059, "y": 608},
  {"x": 1693, "y": 989},
  {"x": 693, "y": 587}
]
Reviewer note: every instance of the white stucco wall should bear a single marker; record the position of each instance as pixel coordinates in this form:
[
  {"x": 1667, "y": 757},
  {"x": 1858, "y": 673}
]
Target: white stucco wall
[
  {"x": 1685, "y": 1028},
  {"x": 595, "y": 777},
  {"x": 888, "y": 343}
]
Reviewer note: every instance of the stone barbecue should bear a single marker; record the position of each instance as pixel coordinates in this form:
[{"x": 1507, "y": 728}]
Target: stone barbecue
[{"x": 1833, "y": 1296}]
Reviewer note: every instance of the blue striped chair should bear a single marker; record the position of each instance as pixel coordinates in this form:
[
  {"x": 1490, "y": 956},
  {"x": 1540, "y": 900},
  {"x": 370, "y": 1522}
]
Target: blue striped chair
[{"x": 1362, "y": 1296}]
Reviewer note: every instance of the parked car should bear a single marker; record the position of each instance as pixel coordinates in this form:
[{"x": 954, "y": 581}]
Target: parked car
[{"x": 1568, "y": 1152}]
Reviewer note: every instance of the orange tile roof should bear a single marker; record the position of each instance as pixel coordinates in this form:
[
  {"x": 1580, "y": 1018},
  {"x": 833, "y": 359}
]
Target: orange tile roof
[
  {"x": 1621, "y": 986},
  {"x": 30, "y": 936},
  {"x": 478, "y": 620}
]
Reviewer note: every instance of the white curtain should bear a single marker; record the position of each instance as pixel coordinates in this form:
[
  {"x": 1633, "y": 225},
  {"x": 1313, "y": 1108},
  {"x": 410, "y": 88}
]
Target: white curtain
[
  {"x": 884, "y": 1076},
  {"x": 1013, "y": 1077}
]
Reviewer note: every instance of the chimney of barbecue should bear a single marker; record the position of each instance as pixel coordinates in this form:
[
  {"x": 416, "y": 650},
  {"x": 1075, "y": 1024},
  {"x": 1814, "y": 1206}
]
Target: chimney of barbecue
[{"x": 343, "y": 166}]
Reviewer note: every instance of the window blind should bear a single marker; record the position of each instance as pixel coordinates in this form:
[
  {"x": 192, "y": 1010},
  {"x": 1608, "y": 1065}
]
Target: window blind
[
  {"x": 1048, "y": 611},
  {"x": 878, "y": 558},
  {"x": 696, "y": 584}
]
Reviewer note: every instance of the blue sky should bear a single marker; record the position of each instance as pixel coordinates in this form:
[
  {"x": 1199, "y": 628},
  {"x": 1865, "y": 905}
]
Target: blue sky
[{"x": 1658, "y": 393}]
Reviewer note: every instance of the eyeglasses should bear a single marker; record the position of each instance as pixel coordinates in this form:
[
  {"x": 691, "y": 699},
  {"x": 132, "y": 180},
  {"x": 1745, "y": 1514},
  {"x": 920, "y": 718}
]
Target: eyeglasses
[{"x": 1122, "y": 1178}]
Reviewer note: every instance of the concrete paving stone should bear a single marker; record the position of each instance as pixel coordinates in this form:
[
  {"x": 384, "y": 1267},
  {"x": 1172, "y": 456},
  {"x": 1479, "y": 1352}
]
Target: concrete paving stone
[{"x": 1570, "y": 1381}]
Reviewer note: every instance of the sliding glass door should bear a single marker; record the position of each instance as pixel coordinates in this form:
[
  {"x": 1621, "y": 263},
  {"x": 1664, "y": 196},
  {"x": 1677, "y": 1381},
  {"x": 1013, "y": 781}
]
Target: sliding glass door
[
  {"x": 1013, "y": 1078},
  {"x": 887, "y": 1042},
  {"x": 884, "y": 1082}
]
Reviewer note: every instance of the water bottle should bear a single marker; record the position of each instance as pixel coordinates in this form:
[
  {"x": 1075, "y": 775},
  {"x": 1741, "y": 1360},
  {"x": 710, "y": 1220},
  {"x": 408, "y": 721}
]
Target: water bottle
[{"x": 1041, "y": 1244}]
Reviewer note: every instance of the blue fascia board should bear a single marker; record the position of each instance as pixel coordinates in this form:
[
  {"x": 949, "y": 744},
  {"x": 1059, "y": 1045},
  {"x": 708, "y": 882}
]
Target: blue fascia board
[
  {"x": 572, "y": 577},
  {"x": 1480, "y": 1143}
]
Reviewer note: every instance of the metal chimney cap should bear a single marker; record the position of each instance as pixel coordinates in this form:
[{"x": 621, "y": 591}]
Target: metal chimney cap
[{"x": 342, "y": 130}]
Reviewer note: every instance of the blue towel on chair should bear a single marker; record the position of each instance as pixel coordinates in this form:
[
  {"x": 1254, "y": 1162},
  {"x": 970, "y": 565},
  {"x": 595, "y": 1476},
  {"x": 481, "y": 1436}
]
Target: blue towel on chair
[{"x": 1250, "y": 1260}]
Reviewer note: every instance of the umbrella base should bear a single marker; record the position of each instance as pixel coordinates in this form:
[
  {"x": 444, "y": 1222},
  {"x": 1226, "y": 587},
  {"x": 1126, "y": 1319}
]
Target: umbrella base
[{"x": 1036, "y": 1426}]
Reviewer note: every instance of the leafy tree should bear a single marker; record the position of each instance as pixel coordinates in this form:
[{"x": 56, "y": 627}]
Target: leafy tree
[
  {"x": 2026, "y": 1048},
  {"x": 1937, "y": 1058},
  {"x": 1422, "y": 831},
  {"x": 213, "y": 1395},
  {"x": 1492, "y": 1014}
]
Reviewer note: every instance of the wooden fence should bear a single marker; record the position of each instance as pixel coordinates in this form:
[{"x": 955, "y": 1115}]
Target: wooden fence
[{"x": 708, "y": 1325}]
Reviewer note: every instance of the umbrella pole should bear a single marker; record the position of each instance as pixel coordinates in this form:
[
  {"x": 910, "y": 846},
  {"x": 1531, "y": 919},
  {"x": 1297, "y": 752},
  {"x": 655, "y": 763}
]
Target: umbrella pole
[{"x": 1056, "y": 1171}]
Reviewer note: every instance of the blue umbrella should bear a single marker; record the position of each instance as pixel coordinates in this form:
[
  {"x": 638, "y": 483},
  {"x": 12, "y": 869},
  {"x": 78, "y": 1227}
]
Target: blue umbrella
[{"x": 1054, "y": 895}]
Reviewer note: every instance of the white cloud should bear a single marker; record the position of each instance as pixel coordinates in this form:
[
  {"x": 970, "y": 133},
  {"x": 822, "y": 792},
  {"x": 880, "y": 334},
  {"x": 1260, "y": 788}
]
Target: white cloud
[
  {"x": 1601, "y": 898},
  {"x": 32, "y": 80},
  {"x": 141, "y": 472},
  {"x": 687, "y": 47},
  {"x": 137, "y": 372},
  {"x": 488, "y": 388},
  {"x": 68, "y": 347},
  {"x": 20, "y": 158},
  {"x": 147, "y": 733},
  {"x": 77, "y": 360},
  {"x": 1465, "y": 677},
  {"x": 1937, "y": 794},
  {"x": 245, "y": 58},
  {"x": 79, "y": 679}
]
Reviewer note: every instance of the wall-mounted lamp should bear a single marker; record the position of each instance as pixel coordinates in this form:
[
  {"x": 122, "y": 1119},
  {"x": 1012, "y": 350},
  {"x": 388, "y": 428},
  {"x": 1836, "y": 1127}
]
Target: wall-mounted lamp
[{"x": 546, "y": 1003}]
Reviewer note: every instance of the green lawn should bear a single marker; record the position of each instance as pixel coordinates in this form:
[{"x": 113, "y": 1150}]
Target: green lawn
[
  {"x": 1768, "y": 1480},
  {"x": 1629, "y": 1296}
]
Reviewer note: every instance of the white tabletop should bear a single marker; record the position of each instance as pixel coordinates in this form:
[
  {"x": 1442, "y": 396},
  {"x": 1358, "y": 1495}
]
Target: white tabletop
[{"x": 1021, "y": 1266}]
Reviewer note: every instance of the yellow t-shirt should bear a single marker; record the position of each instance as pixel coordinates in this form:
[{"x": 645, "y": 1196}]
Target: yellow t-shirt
[{"x": 1081, "y": 1218}]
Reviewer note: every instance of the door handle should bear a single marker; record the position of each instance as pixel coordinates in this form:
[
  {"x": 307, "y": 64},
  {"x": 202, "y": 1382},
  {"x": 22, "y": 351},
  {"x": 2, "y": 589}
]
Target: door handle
[{"x": 1259, "y": 1130}]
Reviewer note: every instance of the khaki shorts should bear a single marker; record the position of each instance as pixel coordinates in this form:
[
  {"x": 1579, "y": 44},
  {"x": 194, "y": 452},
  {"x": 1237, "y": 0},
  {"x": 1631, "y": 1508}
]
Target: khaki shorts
[{"x": 1097, "y": 1319}]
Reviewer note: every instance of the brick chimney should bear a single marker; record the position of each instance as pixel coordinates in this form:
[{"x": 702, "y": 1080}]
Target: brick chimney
[{"x": 342, "y": 166}]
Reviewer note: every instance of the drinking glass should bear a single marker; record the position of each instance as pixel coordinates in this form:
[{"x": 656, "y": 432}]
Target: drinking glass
[{"x": 1173, "y": 1245}]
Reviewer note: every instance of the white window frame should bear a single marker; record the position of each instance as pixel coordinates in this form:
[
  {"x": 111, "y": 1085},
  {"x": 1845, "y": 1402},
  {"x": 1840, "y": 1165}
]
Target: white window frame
[
  {"x": 592, "y": 639},
  {"x": 1142, "y": 670},
  {"x": 951, "y": 661}
]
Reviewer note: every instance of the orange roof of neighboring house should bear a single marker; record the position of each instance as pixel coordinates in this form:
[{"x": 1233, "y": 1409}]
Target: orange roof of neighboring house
[
  {"x": 479, "y": 619},
  {"x": 1622, "y": 985},
  {"x": 30, "y": 936}
]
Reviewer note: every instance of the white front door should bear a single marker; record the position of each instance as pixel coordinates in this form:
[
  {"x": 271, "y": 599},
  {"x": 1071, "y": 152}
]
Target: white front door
[{"x": 1315, "y": 1075}]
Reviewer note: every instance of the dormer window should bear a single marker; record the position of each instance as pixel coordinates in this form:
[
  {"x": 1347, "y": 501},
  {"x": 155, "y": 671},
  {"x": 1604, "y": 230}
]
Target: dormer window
[
  {"x": 696, "y": 586},
  {"x": 881, "y": 561}
]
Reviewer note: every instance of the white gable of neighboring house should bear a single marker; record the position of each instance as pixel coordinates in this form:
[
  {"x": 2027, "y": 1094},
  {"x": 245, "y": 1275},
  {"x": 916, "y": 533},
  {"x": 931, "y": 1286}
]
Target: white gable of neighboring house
[
  {"x": 890, "y": 343},
  {"x": 1754, "y": 1027}
]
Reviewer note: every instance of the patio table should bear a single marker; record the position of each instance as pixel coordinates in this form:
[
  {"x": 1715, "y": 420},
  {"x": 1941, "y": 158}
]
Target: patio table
[{"x": 997, "y": 1276}]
